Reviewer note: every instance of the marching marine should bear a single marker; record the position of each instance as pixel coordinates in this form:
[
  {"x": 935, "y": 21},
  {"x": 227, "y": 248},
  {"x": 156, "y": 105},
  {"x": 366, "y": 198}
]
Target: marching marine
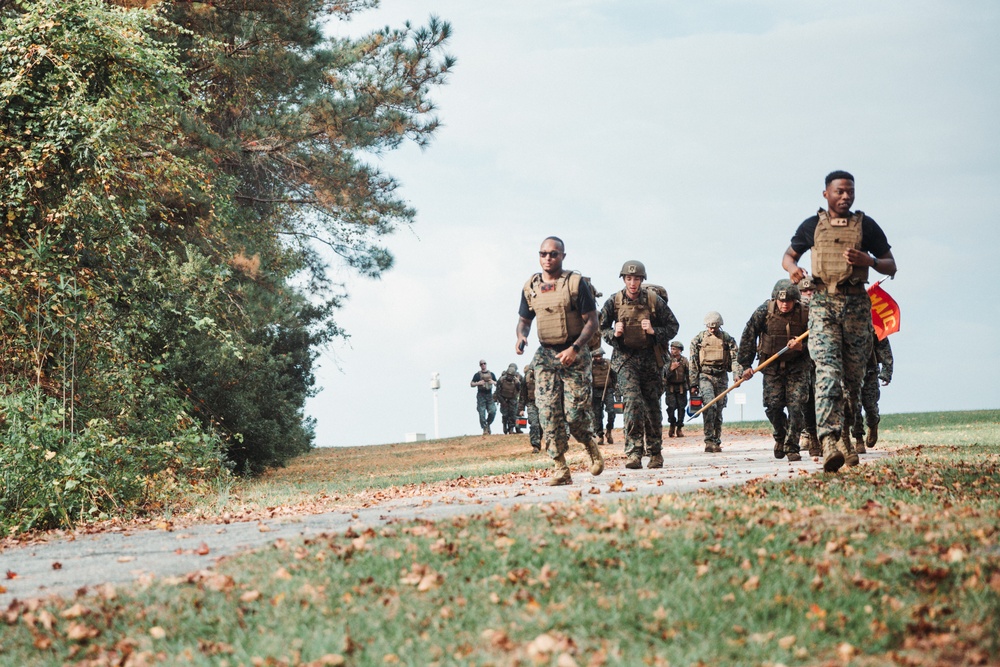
[
  {"x": 774, "y": 325},
  {"x": 508, "y": 388},
  {"x": 843, "y": 246},
  {"x": 564, "y": 306},
  {"x": 603, "y": 400},
  {"x": 713, "y": 354},
  {"x": 879, "y": 371},
  {"x": 675, "y": 384},
  {"x": 526, "y": 403},
  {"x": 638, "y": 324}
]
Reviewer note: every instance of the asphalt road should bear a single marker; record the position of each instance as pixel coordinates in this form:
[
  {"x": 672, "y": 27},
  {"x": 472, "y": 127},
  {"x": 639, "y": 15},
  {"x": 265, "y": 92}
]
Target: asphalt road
[{"x": 65, "y": 566}]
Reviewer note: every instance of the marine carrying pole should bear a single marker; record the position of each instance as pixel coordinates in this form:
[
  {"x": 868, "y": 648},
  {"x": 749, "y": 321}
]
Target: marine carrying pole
[{"x": 756, "y": 370}]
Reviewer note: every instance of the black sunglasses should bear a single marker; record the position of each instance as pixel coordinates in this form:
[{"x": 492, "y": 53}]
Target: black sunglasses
[{"x": 550, "y": 253}]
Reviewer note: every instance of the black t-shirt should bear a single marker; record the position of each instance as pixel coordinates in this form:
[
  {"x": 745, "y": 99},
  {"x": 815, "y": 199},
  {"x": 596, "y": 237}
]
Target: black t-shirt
[
  {"x": 479, "y": 376},
  {"x": 584, "y": 303},
  {"x": 873, "y": 239}
]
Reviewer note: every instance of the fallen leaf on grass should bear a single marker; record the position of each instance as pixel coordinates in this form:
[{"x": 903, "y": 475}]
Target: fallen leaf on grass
[
  {"x": 156, "y": 632},
  {"x": 250, "y": 596},
  {"x": 80, "y": 632},
  {"x": 787, "y": 642},
  {"x": 594, "y": 491},
  {"x": 616, "y": 485},
  {"x": 281, "y": 574},
  {"x": 752, "y": 584},
  {"x": 76, "y": 611}
]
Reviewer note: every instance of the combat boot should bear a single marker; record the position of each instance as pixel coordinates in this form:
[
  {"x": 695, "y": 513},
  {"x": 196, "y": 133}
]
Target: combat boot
[
  {"x": 872, "y": 435},
  {"x": 672, "y": 429},
  {"x": 812, "y": 444},
  {"x": 611, "y": 440},
  {"x": 794, "y": 456},
  {"x": 850, "y": 454},
  {"x": 634, "y": 462},
  {"x": 600, "y": 438},
  {"x": 779, "y": 448},
  {"x": 680, "y": 433},
  {"x": 709, "y": 446},
  {"x": 833, "y": 458},
  {"x": 655, "y": 461},
  {"x": 562, "y": 476},
  {"x": 596, "y": 460}
]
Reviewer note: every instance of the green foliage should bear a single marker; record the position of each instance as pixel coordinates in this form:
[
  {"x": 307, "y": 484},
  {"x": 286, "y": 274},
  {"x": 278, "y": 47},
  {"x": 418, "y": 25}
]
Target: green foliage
[
  {"x": 56, "y": 475},
  {"x": 165, "y": 174}
]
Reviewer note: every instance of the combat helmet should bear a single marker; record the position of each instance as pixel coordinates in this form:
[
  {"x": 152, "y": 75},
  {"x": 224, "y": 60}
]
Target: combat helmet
[
  {"x": 633, "y": 267},
  {"x": 713, "y": 318},
  {"x": 785, "y": 290},
  {"x": 512, "y": 368},
  {"x": 807, "y": 284},
  {"x": 676, "y": 343}
]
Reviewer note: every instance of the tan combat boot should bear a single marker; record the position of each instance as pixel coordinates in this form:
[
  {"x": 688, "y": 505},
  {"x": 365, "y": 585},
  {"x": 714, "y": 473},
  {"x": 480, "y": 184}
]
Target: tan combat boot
[
  {"x": 596, "y": 460},
  {"x": 634, "y": 462},
  {"x": 608, "y": 434},
  {"x": 812, "y": 445},
  {"x": 872, "y": 436},
  {"x": 655, "y": 461},
  {"x": 562, "y": 476},
  {"x": 833, "y": 458},
  {"x": 673, "y": 428},
  {"x": 850, "y": 454}
]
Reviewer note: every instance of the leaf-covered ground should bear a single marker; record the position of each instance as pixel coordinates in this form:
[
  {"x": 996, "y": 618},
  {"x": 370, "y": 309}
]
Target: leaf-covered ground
[{"x": 895, "y": 564}]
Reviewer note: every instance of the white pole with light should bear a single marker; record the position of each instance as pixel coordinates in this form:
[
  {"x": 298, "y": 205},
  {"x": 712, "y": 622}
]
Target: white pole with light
[{"x": 435, "y": 385}]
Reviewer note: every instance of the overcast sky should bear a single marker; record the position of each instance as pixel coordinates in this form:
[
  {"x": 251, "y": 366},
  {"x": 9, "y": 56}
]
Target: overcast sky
[{"x": 693, "y": 137}]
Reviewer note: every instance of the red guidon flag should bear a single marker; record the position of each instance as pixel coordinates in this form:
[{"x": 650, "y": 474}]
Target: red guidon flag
[{"x": 885, "y": 312}]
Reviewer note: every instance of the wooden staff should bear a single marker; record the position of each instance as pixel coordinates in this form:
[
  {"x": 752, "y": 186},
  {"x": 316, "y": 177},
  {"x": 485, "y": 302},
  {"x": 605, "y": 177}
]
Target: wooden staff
[{"x": 756, "y": 370}]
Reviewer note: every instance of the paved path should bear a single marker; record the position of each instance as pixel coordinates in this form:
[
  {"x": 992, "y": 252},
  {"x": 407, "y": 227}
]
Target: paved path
[{"x": 62, "y": 567}]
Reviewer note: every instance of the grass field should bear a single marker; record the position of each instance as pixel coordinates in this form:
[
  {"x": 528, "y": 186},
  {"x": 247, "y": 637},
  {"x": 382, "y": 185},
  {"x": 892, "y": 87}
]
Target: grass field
[{"x": 891, "y": 564}]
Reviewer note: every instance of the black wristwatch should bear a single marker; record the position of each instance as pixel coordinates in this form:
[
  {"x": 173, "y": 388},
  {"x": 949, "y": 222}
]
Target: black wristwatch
[{"x": 576, "y": 348}]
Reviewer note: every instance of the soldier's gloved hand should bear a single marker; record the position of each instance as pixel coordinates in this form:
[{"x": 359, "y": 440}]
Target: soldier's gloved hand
[{"x": 884, "y": 380}]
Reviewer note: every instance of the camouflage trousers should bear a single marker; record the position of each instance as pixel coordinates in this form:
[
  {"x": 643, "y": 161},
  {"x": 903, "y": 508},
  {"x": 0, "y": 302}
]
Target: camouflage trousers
[
  {"x": 508, "y": 412},
  {"x": 786, "y": 396},
  {"x": 840, "y": 341},
  {"x": 487, "y": 409},
  {"x": 870, "y": 393},
  {"x": 534, "y": 427},
  {"x": 711, "y": 385},
  {"x": 640, "y": 384},
  {"x": 676, "y": 402},
  {"x": 562, "y": 394},
  {"x": 600, "y": 405}
]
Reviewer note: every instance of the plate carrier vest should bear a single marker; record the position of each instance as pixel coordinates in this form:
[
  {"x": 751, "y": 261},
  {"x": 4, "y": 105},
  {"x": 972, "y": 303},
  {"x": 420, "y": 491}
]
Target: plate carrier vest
[
  {"x": 781, "y": 328},
  {"x": 714, "y": 354},
  {"x": 678, "y": 376},
  {"x": 831, "y": 238},
  {"x": 601, "y": 368},
  {"x": 559, "y": 322},
  {"x": 507, "y": 385},
  {"x": 631, "y": 314}
]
